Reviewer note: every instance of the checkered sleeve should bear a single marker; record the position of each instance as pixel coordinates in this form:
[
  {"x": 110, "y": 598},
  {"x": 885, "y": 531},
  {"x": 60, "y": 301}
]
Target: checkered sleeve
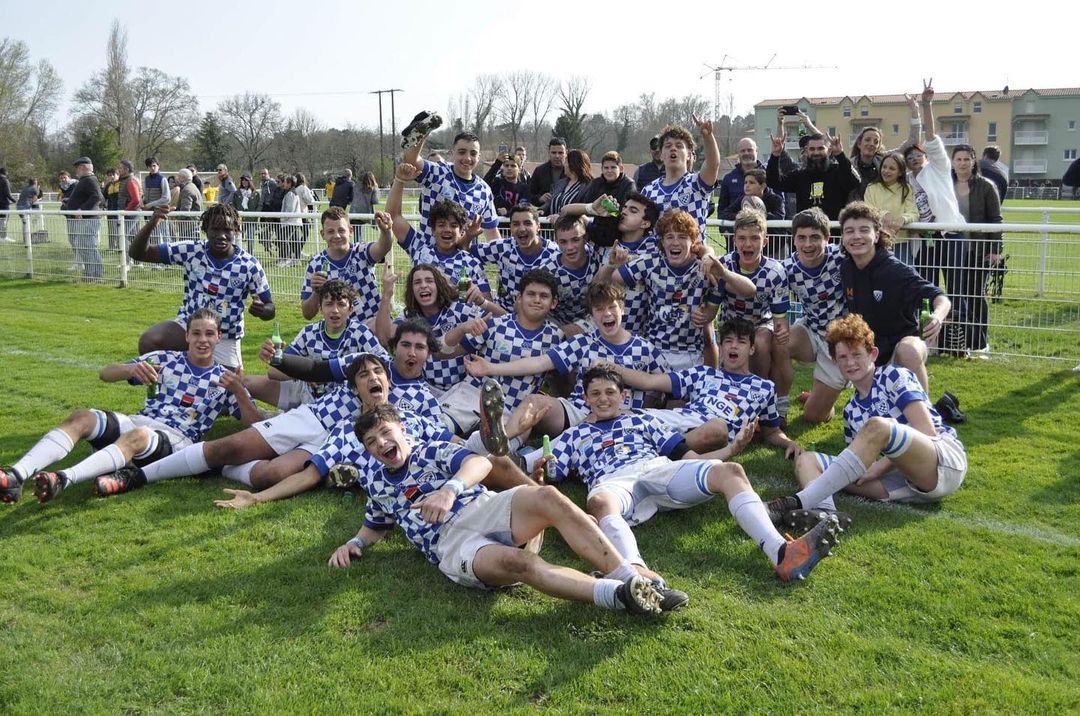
[
  {"x": 903, "y": 387},
  {"x": 377, "y": 518},
  {"x": 258, "y": 285},
  {"x": 682, "y": 382},
  {"x": 178, "y": 252}
]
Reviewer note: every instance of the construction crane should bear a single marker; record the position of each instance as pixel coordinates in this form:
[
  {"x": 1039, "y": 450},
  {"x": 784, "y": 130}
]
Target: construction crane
[{"x": 721, "y": 68}]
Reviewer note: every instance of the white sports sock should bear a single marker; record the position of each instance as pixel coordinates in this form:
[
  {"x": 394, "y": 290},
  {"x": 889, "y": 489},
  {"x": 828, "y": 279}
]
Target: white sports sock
[
  {"x": 603, "y": 594},
  {"x": 189, "y": 461},
  {"x": 52, "y": 446},
  {"x": 623, "y": 572},
  {"x": 844, "y": 470},
  {"x": 618, "y": 531},
  {"x": 827, "y": 504},
  {"x": 240, "y": 473},
  {"x": 109, "y": 459},
  {"x": 476, "y": 444},
  {"x": 753, "y": 518}
]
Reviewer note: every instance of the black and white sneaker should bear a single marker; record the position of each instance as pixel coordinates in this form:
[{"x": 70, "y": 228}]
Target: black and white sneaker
[
  {"x": 417, "y": 130},
  {"x": 10, "y": 486},
  {"x": 492, "y": 405},
  {"x": 670, "y": 599}
]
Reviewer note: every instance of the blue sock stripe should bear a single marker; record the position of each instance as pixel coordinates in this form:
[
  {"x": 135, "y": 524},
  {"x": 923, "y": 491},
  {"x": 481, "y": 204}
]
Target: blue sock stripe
[
  {"x": 101, "y": 423},
  {"x": 702, "y": 478},
  {"x": 898, "y": 441},
  {"x": 823, "y": 460}
]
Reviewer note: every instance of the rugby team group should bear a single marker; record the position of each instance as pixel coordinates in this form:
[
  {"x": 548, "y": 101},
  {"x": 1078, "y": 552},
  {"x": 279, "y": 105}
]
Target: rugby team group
[{"x": 599, "y": 356}]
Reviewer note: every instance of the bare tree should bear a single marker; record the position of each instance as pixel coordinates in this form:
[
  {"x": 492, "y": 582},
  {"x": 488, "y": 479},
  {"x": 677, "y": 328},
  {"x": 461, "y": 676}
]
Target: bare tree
[
  {"x": 485, "y": 92},
  {"x": 162, "y": 109},
  {"x": 29, "y": 93},
  {"x": 518, "y": 89},
  {"x": 106, "y": 96},
  {"x": 572, "y": 95},
  {"x": 540, "y": 104},
  {"x": 252, "y": 121},
  {"x": 298, "y": 141}
]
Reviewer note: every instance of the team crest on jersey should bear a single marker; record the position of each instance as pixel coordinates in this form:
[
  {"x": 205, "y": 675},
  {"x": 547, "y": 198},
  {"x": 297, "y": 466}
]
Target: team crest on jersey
[
  {"x": 881, "y": 407},
  {"x": 878, "y": 293},
  {"x": 236, "y": 283},
  {"x": 685, "y": 196}
]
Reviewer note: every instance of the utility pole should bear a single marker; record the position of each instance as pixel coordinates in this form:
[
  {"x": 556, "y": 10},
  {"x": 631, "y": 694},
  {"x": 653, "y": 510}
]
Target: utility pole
[{"x": 393, "y": 129}]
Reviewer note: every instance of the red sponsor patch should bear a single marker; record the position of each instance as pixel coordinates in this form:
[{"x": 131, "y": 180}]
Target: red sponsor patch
[
  {"x": 823, "y": 296},
  {"x": 609, "y": 443},
  {"x": 212, "y": 288},
  {"x": 411, "y": 493},
  {"x": 187, "y": 400}
]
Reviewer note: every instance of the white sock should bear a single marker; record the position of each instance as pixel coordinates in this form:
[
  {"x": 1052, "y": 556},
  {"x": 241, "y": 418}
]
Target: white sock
[
  {"x": 623, "y": 572},
  {"x": 618, "y": 531},
  {"x": 603, "y": 594},
  {"x": 109, "y": 459},
  {"x": 530, "y": 460},
  {"x": 827, "y": 504},
  {"x": 750, "y": 513},
  {"x": 844, "y": 470},
  {"x": 189, "y": 461},
  {"x": 240, "y": 473},
  {"x": 52, "y": 446}
]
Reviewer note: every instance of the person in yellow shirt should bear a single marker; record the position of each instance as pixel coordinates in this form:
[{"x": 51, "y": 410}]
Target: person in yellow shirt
[{"x": 891, "y": 194}]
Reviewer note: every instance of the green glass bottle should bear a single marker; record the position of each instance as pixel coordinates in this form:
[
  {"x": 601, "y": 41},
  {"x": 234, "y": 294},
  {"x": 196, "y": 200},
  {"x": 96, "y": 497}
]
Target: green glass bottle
[
  {"x": 609, "y": 206},
  {"x": 279, "y": 344},
  {"x": 153, "y": 389},
  {"x": 547, "y": 458},
  {"x": 924, "y": 315},
  {"x": 462, "y": 283},
  {"x": 326, "y": 266}
]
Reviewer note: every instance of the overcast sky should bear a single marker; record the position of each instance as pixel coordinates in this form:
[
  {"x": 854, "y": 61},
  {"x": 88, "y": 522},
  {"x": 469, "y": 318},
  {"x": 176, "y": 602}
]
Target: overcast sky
[{"x": 328, "y": 55}]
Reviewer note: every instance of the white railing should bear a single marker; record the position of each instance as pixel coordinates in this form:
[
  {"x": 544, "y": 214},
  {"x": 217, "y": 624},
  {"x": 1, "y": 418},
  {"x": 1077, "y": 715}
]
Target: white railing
[
  {"x": 1036, "y": 313},
  {"x": 955, "y": 138},
  {"x": 1029, "y": 137}
]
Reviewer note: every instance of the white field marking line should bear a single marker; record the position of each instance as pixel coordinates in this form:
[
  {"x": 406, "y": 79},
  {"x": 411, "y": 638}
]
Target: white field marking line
[
  {"x": 48, "y": 357},
  {"x": 1006, "y": 528}
]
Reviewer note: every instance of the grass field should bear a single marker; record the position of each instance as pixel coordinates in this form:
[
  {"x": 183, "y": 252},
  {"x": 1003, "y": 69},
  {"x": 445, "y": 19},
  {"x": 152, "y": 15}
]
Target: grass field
[{"x": 156, "y": 602}]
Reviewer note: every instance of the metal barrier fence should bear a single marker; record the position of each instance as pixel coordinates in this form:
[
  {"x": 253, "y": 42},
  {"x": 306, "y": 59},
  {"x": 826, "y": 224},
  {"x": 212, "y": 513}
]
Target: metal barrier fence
[{"x": 1033, "y": 305}]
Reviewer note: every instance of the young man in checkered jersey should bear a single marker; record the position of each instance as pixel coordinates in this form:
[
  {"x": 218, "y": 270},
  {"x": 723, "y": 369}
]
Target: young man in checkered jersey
[
  {"x": 476, "y": 537},
  {"x": 193, "y": 391},
  {"x": 455, "y": 181},
  {"x": 634, "y": 467},
  {"x": 680, "y": 188},
  {"x": 217, "y": 274},
  {"x": 525, "y": 332},
  {"x": 898, "y": 448},
  {"x": 610, "y": 342}
]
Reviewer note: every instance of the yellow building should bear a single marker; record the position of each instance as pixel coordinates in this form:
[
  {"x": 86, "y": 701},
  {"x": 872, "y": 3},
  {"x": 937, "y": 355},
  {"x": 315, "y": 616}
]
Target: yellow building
[{"x": 976, "y": 118}]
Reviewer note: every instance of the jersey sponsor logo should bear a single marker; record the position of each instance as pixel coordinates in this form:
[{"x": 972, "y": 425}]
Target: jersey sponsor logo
[
  {"x": 607, "y": 444},
  {"x": 823, "y": 296},
  {"x": 411, "y": 493},
  {"x": 187, "y": 400},
  {"x": 212, "y": 288}
]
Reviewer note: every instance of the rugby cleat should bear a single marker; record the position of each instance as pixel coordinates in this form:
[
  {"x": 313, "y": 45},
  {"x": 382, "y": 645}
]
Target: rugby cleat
[
  {"x": 670, "y": 599},
  {"x": 417, "y": 130},
  {"x": 10, "y": 486},
  {"x": 492, "y": 404},
  {"x": 638, "y": 596},
  {"x": 342, "y": 475},
  {"x": 802, "y": 520},
  {"x": 125, "y": 479},
  {"x": 801, "y": 555},
  {"x": 47, "y": 485},
  {"x": 780, "y": 506}
]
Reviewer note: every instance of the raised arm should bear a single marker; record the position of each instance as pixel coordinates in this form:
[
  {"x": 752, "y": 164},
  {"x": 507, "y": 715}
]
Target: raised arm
[
  {"x": 926, "y": 99},
  {"x": 710, "y": 170},
  {"x": 381, "y": 246},
  {"x": 140, "y": 249},
  {"x": 404, "y": 173},
  {"x": 641, "y": 380},
  {"x": 384, "y": 322}
]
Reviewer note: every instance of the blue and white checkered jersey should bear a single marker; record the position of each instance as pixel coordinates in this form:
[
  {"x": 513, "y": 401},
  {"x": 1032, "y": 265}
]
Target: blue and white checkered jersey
[
  {"x": 893, "y": 389},
  {"x": 673, "y": 293},
  {"x": 818, "y": 289},
  {"x": 443, "y": 373},
  {"x": 343, "y": 447},
  {"x": 354, "y": 269},
  {"x": 772, "y": 296},
  {"x": 189, "y": 398},
  {"x": 512, "y": 264},
  {"x": 313, "y": 342},
  {"x": 573, "y": 288},
  {"x": 689, "y": 194},
  {"x": 636, "y": 312},
  {"x": 580, "y": 352},
  {"x": 411, "y": 394},
  {"x": 392, "y": 493},
  {"x": 220, "y": 284},
  {"x": 595, "y": 450},
  {"x": 505, "y": 340},
  {"x": 438, "y": 182},
  {"x": 736, "y": 398},
  {"x": 423, "y": 251}
]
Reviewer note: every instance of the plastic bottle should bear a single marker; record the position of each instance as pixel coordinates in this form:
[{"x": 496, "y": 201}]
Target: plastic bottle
[{"x": 279, "y": 345}]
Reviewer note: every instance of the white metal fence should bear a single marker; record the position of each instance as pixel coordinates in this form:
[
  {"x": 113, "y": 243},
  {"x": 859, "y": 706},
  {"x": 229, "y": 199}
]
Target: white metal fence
[{"x": 1033, "y": 305}]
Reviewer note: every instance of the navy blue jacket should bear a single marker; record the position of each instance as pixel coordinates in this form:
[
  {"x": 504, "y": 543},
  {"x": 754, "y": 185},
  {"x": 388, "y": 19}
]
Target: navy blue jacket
[{"x": 888, "y": 295}]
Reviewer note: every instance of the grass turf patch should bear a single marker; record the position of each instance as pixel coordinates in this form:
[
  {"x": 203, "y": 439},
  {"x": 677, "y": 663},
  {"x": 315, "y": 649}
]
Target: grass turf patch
[{"x": 155, "y": 601}]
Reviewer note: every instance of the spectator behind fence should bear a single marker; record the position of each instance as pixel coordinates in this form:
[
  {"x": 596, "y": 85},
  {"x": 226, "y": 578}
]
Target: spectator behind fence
[
  {"x": 195, "y": 177},
  {"x": 67, "y": 185},
  {"x": 307, "y": 204},
  {"x": 226, "y": 186},
  {"x": 548, "y": 173},
  {"x": 754, "y": 186},
  {"x": 991, "y": 168},
  {"x": 653, "y": 170},
  {"x": 6, "y": 200},
  {"x": 934, "y": 195},
  {"x": 29, "y": 200},
  {"x": 267, "y": 189},
  {"x": 190, "y": 200},
  {"x": 129, "y": 198},
  {"x": 507, "y": 185},
  {"x": 289, "y": 235},
  {"x": 867, "y": 151},
  {"x": 156, "y": 194},
  {"x": 577, "y": 175},
  {"x": 1071, "y": 177},
  {"x": 343, "y": 190},
  {"x": 826, "y": 181},
  {"x": 112, "y": 203},
  {"x": 246, "y": 198},
  {"x": 86, "y": 196},
  {"x": 891, "y": 194},
  {"x": 733, "y": 184},
  {"x": 365, "y": 198},
  {"x": 522, "y": 155},
  {"x": 603, "y": 230},
  {"x": 968, "y": 267}
]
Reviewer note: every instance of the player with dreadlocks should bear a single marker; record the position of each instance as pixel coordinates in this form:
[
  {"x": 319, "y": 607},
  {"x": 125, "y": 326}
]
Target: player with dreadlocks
[{"x": 218, "y": 274}]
